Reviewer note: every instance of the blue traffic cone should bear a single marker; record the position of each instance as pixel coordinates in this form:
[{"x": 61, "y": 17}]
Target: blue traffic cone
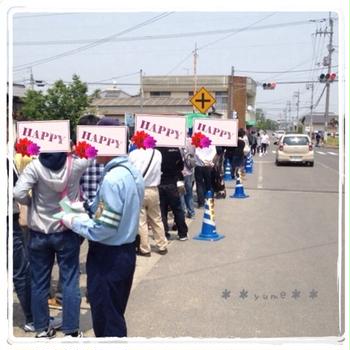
[
  {"x": 249, "y": 165},
  {"x": 208, "y": 232},
  {"x": 227, "y": 173},
  {"x": 239, "y": 190}
]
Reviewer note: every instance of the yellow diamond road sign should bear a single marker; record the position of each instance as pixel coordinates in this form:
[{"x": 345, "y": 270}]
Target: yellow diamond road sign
[{"x": 202, "y": 100}]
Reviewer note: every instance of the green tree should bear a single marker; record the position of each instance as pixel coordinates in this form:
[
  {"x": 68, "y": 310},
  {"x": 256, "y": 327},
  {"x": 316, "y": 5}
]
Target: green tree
[
  {"x": 61, "y": 101},
  {"x": 264, "y": 123}
]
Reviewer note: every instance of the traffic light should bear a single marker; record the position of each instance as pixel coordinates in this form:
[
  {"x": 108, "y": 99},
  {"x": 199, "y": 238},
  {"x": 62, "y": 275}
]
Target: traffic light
[
  {"x": 329, "y": 77},
  {"x": 269, "y": 86}
]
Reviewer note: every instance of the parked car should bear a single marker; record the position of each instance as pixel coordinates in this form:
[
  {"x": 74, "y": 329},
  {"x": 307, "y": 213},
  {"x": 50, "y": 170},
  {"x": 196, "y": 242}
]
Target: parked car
[{"x": 295, "y": 148}]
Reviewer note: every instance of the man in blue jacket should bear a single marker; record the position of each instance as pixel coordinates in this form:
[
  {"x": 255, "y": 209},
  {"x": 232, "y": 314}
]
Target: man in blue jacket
[{"x": 111, "y": 233}]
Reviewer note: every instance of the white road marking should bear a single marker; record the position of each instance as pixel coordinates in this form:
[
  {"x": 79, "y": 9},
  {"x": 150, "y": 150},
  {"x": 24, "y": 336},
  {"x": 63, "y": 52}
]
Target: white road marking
[
  {"x": 274, "y": 152},
  {"x": 319, "y": 152},
  {"x": 327, "y": 167},
  {"x": 332, "y": 153}
]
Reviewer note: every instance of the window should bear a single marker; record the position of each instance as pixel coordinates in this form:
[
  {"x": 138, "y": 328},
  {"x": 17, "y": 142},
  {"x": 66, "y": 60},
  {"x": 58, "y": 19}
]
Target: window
[
  {"x": 296, "y": 141},
  {"x": 221, "y": 99},
  {"x": 159, "y": 93}
]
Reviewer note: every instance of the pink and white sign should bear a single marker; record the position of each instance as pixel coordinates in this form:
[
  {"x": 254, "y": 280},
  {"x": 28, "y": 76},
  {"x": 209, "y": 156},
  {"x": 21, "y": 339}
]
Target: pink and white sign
[
  {"x": 220, "y": 132},
  {"x": 51, "y": 136},
  {"x": 167, "y": 130},
  {"x": 109, "y": 140}
]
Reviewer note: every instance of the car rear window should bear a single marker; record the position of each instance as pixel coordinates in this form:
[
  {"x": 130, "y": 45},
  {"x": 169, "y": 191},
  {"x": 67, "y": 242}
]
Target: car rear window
[{"x": 296, "y": 140}]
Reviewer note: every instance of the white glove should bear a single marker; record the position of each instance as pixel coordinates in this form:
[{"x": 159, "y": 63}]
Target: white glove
[
  {"x": 77, "y": 207},
  {"x": 67, "y": 219}
]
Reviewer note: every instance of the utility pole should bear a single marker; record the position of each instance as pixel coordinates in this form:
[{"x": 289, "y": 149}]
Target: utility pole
[
  {"x": 230, "y": 94},
  {"x": 289, "y": 111},
  {"x": 308, "y": 86},
  {"x": 195, "y": 78},
  {"x": 327, "y": 62},
  {"x": 141, "y": 91},
  {"x": 328, "y": 86},
  {"x": 31, "y": 79},
  {"x": 297, "y": 95}
]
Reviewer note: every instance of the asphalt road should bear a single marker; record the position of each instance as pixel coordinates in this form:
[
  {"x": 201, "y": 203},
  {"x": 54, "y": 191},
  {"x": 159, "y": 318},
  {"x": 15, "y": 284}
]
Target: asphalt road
[{"x": 273, "y": 275}]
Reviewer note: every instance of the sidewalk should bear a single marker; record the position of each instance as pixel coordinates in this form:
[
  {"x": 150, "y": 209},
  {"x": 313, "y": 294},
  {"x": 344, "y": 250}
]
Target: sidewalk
[{"x": 143, "y": 266}]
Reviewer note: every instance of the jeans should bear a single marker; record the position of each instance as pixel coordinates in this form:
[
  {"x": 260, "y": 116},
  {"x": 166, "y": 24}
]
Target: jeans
[
  {"x": 110, "y": 271},
  {"x": 169, "y": 196},
  {"x": 202, "y": 175},
  {"x": 187, "y": 198},
  {"x": 43, "y": 248},
  {"x": 21, "y": 271}
]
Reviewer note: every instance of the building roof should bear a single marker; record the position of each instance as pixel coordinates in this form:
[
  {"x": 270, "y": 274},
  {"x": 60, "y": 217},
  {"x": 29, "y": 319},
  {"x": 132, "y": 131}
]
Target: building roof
[
  {"x": 319, "y": 118},
  {"x": 136, "y": 101}
]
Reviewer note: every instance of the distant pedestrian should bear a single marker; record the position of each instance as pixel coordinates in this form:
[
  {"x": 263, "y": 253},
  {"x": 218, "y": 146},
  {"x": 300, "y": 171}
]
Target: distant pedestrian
[
  {"x": 318, "y": 138},
  {"x": 258, "y": 143},
  {"x": 254, "y": 143},
  {"x": 264, "y": 142}
]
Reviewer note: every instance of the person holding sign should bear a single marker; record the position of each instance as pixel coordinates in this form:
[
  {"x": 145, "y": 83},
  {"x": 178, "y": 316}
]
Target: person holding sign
[
  {"x": 111, "y": 233},
  {"x": 41, "y": 186}
]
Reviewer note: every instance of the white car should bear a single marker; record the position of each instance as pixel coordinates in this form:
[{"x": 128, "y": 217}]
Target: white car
[
  {"x": 278, "y": 134},
  {"x": 295, "y": 148}
]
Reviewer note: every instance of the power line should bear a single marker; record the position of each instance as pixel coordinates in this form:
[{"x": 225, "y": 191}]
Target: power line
[
  {"x": 45, "y": 15},
  {"x": 164, "y": 36},
  {"x": 279, "y": 72},
  {"x": 93, "y": 44},
  {"x": 236, "y": 32}
]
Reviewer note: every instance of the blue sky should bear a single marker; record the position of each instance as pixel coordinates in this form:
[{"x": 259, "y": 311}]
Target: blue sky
[{"x": 265, "y": 42}]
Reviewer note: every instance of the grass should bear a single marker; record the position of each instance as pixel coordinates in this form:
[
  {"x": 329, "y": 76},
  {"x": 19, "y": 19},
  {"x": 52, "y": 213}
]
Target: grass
[{"x": 332, "y": 141}]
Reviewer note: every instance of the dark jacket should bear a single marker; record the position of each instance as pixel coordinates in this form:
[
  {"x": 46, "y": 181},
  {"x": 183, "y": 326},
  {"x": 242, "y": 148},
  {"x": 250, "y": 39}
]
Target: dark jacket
[
  {"x": 235, "y": 151},
  {"x": 172, "y": 165}
]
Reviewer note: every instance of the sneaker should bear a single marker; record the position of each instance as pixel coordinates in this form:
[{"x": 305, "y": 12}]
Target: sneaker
[
  {"x": 184, "y": 238},
  {"x": 78, "y": 334},
  {"x": 144, "y": 254},
  {"x": 29, "y": 327},
  {"x": 55, "y": 323},
  {"x": 48, "y": 333},
  {"x": 54, "y": 304},
  {"x": 163, "y": 251}
]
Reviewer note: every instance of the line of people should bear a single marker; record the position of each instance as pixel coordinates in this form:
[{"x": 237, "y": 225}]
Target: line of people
[{"x": 120, "y": 199}]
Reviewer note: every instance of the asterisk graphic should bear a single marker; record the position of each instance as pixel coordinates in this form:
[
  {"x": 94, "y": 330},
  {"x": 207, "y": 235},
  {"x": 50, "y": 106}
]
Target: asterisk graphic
[
  {"x": 296, "y": 294},
  {"x": 313, "y": 294},
  {"x": 243, "y": 294},
  {"x": 226, "y": 294}
]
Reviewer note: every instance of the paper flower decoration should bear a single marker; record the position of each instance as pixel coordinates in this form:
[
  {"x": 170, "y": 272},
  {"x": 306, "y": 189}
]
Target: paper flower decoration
[
  {"x": 199, "y": 140},
  {"x": 27, "y": 147},
  {"x": 85, "y": 150},
  {"x": 143, "y": 140}
]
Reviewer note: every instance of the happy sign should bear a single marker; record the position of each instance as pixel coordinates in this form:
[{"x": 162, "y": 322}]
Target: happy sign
[
  {"x": 50, "y": 136},
  {"x": 220, "y": 132},
  {"x": 167, "y": 130},
  {"x": 108, "y": 140}
]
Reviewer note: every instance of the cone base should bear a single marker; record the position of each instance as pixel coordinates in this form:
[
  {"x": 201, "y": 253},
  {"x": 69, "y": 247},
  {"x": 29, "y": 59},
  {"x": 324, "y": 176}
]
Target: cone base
[
  {"x": 239, "y": 196},
  {"x": 214, "y": 237}
]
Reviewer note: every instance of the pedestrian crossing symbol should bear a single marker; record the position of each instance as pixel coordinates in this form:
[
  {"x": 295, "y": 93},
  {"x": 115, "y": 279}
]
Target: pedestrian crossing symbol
[{"x": 202, "y": 100}]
